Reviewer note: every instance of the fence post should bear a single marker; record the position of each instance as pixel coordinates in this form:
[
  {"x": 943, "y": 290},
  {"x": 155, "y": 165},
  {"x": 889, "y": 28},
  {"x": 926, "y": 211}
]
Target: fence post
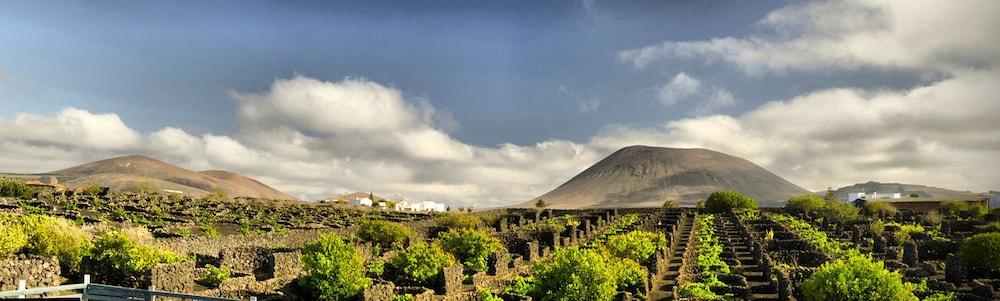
[
  {"x": 22, "y": 285},
  {"x": 84, "y": 296},
  {"x": 152, "y": 297}
]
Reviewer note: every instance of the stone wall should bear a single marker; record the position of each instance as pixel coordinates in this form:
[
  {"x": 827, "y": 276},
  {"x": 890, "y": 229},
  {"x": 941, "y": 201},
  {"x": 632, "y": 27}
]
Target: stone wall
[
  {"x": 174, "y": 277},
  {"x": 253, "y": 260},
  {"x": 287, "y": 264},
  {"x": 36, "y": 271}
]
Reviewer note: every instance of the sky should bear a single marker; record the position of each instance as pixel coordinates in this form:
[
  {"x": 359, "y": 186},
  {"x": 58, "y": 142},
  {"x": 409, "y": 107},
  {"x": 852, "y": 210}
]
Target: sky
[{"x": 485, "y": 104}]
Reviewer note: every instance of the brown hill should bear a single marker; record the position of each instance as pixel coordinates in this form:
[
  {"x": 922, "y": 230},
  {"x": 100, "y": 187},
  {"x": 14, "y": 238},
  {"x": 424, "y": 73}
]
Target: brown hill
[
  {"x": 908, "y": 191},
  {"x": 128, "y": 173},
  {"x": 643, "y": 176}
]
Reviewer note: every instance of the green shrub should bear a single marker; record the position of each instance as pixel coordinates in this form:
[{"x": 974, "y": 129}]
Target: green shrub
[
  {"x": 669, "y": 204},
  {"x": 387, "y": 234},
  {"x": 554, "y": 225},
  {"x": 92, "y": 190},
  {"x": 209, "y": 230},
  {"x": 522, "y": 286},
  {"x": 953, "y": 208},
  {"x": 375, "y": 268},
  {"x": 12, "y": 235},
  {"x": 855, "y": 277},
  {"x": 804, "y": 203},
  {"x": 698, "y": 291},
  {"x": 52, "y": 236},
  {"x": 880, "y": 208},
  {"x": 992, "y": 227},
  {"x": 636, "y": 245},
  {"x": 837, "y": 211},
  {"x": 403, "y": 297},
  {"x": 216, "y": 275},
  {"x": 978, "y": 211},
  {"x": 629, "y": 276},
  {"x": 335, "y": 270},
  {"x": 456, "y": 221},
  {"x": 486, "y": 295},
  {"x": 726, "y": 200},
  {"x": 421, "y": 262},
  {"x": 575, "y": 274},
  {"x": 122, "y": 251},
  {"x": 15, "y": 188},
  {"x": 981, "y": 253},
  {"x": 941, "y": 297},
  {"x": 473, "y": 248}
]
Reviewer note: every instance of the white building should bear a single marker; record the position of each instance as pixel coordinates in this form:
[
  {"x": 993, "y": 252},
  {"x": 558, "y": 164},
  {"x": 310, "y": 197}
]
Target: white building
[
  {"x": 428, "y": 206},
  {"x": 360, "y": 202},
  {"x": 873, "y": 196}
]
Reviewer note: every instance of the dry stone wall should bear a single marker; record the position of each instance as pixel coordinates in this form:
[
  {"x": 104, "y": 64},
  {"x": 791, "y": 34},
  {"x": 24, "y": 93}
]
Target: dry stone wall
[{"x": 36, "y": 271}]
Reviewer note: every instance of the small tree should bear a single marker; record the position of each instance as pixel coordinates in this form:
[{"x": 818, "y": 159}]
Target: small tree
[
  {"x": 669, "y": 204},
  {"x": 539, "y": 207},
  {"x": 335, "y": 269},
  {"x": 830, "y": 195},
  {"x": 636, "y": 245}
]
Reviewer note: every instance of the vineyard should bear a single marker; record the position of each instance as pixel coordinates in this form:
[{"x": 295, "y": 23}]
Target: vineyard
[{"x": 812, "y": 249}]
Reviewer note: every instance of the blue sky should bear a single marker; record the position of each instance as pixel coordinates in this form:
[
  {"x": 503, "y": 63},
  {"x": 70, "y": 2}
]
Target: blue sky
[
  {"x": 486, "y": 103},
  {"x": 507, "y": 72}
]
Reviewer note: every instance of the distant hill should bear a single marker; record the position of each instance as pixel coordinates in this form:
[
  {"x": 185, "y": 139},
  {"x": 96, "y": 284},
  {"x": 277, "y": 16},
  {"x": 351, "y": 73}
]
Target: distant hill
[
  {"x": 128, "y": 173},
  {"x": 644, "y": 176},
  {"x": 920, "y": 191}
]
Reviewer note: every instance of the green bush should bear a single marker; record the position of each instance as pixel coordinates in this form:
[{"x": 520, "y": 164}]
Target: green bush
[
  {"x": 12, "y": 235},
  {"x": 629, "y": 276},
  {"x": 486, "y": 295},
  {"x": 575, "y": 274},
  {"x": 335, "y": 270},
  {"x": 403, "y": 297},
  {"x": 840, "y": 212},
  {"x": 636, "y": 245},
  {"x": 53, "y": 236},
  {"x": 522, "y": 286},
  {"x": 804, "y": 203},
  {"x": 456, "y": 221},
  {"x": 941, "y": 297},
  {"x": 473, "y": 248},
  {"x": 981, "y": 253},
  {"x": 953, "y": 208},
  {"x": 698, "y": 291},
  {"x": 880, "y": 208},
  {"x": 421, "y": 262},
  {"x": 386, "y": 234},
  {"x": 855, "y": 277},
  {"x": 209, "y": 230},
  {"x": 15, "y": 188},
  {"x": 726, "y": 200},
  {"x": 216, "y": 275},
  {"x": 126, "y": 253}
]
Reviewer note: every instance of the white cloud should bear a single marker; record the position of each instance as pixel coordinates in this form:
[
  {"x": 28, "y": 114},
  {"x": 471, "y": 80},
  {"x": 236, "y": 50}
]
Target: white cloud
[
  {"x": 943, "y": 134},
  {"x": 72, "y": 127},
  {"x": 684, "y": 87},
  {"x": 931, "y": 36}
]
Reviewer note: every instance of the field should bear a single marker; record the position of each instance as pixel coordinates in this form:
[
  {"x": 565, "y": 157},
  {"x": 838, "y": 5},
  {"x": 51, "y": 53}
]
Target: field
[{"x": 302, "y": 251}]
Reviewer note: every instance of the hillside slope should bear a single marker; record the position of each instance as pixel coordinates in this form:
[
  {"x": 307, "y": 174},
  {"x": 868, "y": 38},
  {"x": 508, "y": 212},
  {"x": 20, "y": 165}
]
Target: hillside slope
[
  {"x": 127, "y": 173},
  {"x": 643, "y": 176},
  {"x": 920, "y": 191}
]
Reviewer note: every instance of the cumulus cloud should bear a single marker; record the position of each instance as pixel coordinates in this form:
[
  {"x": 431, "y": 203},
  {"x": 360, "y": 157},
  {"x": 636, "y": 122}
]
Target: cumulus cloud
[
  {"x": 942, "y": 134},
  {"x": 931, "y": 36}
]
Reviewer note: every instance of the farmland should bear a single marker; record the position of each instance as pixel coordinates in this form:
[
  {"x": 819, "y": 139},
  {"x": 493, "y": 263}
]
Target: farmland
[{"x": 728, "y": 250}]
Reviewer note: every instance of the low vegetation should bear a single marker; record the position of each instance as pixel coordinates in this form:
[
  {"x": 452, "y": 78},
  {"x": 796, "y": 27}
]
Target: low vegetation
[
  {"x": 334, "y": 269},
  {"x": 216, "y": 275},
  {"x": 385, "y": 234},
  {"x": 421, "y": 262},
  {"x": 710, "y": 265},
  {"x": 473, "y": 248},
  {"x": 856, "y": 277},
  {"x": 128, "y": 251},
  {"x": 726, "y": 200},
  {"x": 636, "y": 245},
  {"x": 981, "y": 253}
]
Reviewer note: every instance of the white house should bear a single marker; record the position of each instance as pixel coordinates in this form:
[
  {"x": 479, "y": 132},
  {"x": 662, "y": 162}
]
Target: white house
[
  {"x": 428, "y": 206},
  {"x": 360, "y": 202},
  {"x": 872, "y": 196}
]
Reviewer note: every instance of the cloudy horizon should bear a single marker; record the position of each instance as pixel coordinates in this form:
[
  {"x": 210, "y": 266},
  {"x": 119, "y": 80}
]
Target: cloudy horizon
[{"x": 489, "y": 106}]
